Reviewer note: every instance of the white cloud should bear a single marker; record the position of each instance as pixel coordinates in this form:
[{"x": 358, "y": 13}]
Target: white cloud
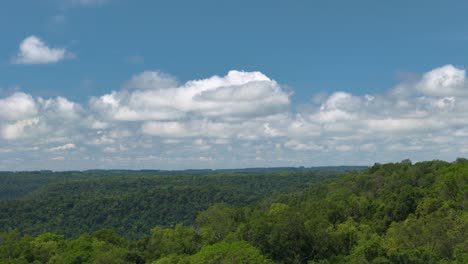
[
  {"x": 218, "y": 107},
  {"x": 444, "y": 81},
  {"x": 17, "y": 106},
  {"x": 344, "y": 148},
  {"x": 18, "y": 129},
  {"x": 65, "y": 147},
  {"x": 296, "y": 145},
  {"x": 151, "y": 80},
  {"x": 22, "y": 116},
  {"x": 404, "y": 124},
  {"x": 242, "y": 119},
  {"x": 166, "y": 129},
  {"x": 61, "y": 108},
  {"x": 33, "y": 50},
  {"x": 154, "y": 97}
]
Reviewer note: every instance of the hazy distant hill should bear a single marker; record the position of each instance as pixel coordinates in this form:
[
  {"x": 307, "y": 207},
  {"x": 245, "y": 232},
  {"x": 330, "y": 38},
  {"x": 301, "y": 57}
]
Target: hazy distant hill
[{"x": 17, "y": 184}]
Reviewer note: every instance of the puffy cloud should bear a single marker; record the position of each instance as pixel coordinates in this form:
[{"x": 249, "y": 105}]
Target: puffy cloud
[
  {"x": 444, "y": 81},
  {"x": 19, "y": 129},
  {"x": 33, "y": 50},
  {"x": 61, "y": 108},
  {"x": 22, "y": 116},
  {"x": 18, "y": 116},
  {"x": 154, "y": 96},
  {"x": 17, "y": 106},
  {"x": 241, "y": 119}
]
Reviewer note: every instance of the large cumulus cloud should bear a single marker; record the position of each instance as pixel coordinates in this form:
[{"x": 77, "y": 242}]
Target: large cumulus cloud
[{"x": 158, "y": 97}]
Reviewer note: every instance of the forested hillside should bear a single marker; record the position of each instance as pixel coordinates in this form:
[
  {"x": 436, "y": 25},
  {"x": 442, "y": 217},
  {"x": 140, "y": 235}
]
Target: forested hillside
[
  {"x": 72, "y": 203},
  {"x": 14, "y": 185},
  {"x": 389, "y": 213}
]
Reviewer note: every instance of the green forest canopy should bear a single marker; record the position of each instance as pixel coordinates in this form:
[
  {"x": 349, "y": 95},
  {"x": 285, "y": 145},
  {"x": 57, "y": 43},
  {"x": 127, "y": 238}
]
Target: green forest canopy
[
  {"x": 388, "y": 213},
  {"x": 132, "y": 202}
]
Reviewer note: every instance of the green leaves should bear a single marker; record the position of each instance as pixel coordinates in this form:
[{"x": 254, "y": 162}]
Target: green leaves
[
  {"x": 390, "y": 213},
  {"x": 229, "y": 253},
  {"x": 76, "y": 203},
  {"x": 217, "y": 222}
]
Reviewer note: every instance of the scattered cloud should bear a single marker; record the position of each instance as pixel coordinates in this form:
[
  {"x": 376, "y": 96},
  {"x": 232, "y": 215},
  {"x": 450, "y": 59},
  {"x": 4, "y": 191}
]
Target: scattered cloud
[
  {"x": 151, "y": 80},
  {"x": 65, "y": 147},
  {"x": 241, "y": 119},
  {"x": 33, "y": 50}
]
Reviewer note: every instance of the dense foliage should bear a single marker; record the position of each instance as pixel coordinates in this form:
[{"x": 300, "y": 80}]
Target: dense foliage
[
  {"x": 14, "y": 185},
  {"x": 390, "y": 213},
  {"x": 132, "y": 204}
]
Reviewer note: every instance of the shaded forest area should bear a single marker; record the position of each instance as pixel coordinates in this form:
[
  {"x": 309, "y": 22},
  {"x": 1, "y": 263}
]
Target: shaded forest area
[
  {"x": 388, "y": 213},
  {"x": 132, "y": 202}
]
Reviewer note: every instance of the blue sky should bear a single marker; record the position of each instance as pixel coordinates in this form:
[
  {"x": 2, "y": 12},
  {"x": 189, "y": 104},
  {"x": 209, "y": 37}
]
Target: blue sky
[{"x": 309, "y": 53}]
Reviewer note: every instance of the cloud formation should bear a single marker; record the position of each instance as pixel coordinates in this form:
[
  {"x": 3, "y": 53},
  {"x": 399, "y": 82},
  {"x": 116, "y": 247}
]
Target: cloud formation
[
  {"x": 241, "y": 119},
  {"x": 65, "y": 147},
  {"x": 154, "y": 96},
  {"x": 33, "y": 50},
  {"x": 444, "y": 81}
]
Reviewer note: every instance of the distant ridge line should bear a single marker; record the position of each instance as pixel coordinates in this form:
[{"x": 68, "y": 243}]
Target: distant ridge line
[{"x": 210, "y": 171}]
